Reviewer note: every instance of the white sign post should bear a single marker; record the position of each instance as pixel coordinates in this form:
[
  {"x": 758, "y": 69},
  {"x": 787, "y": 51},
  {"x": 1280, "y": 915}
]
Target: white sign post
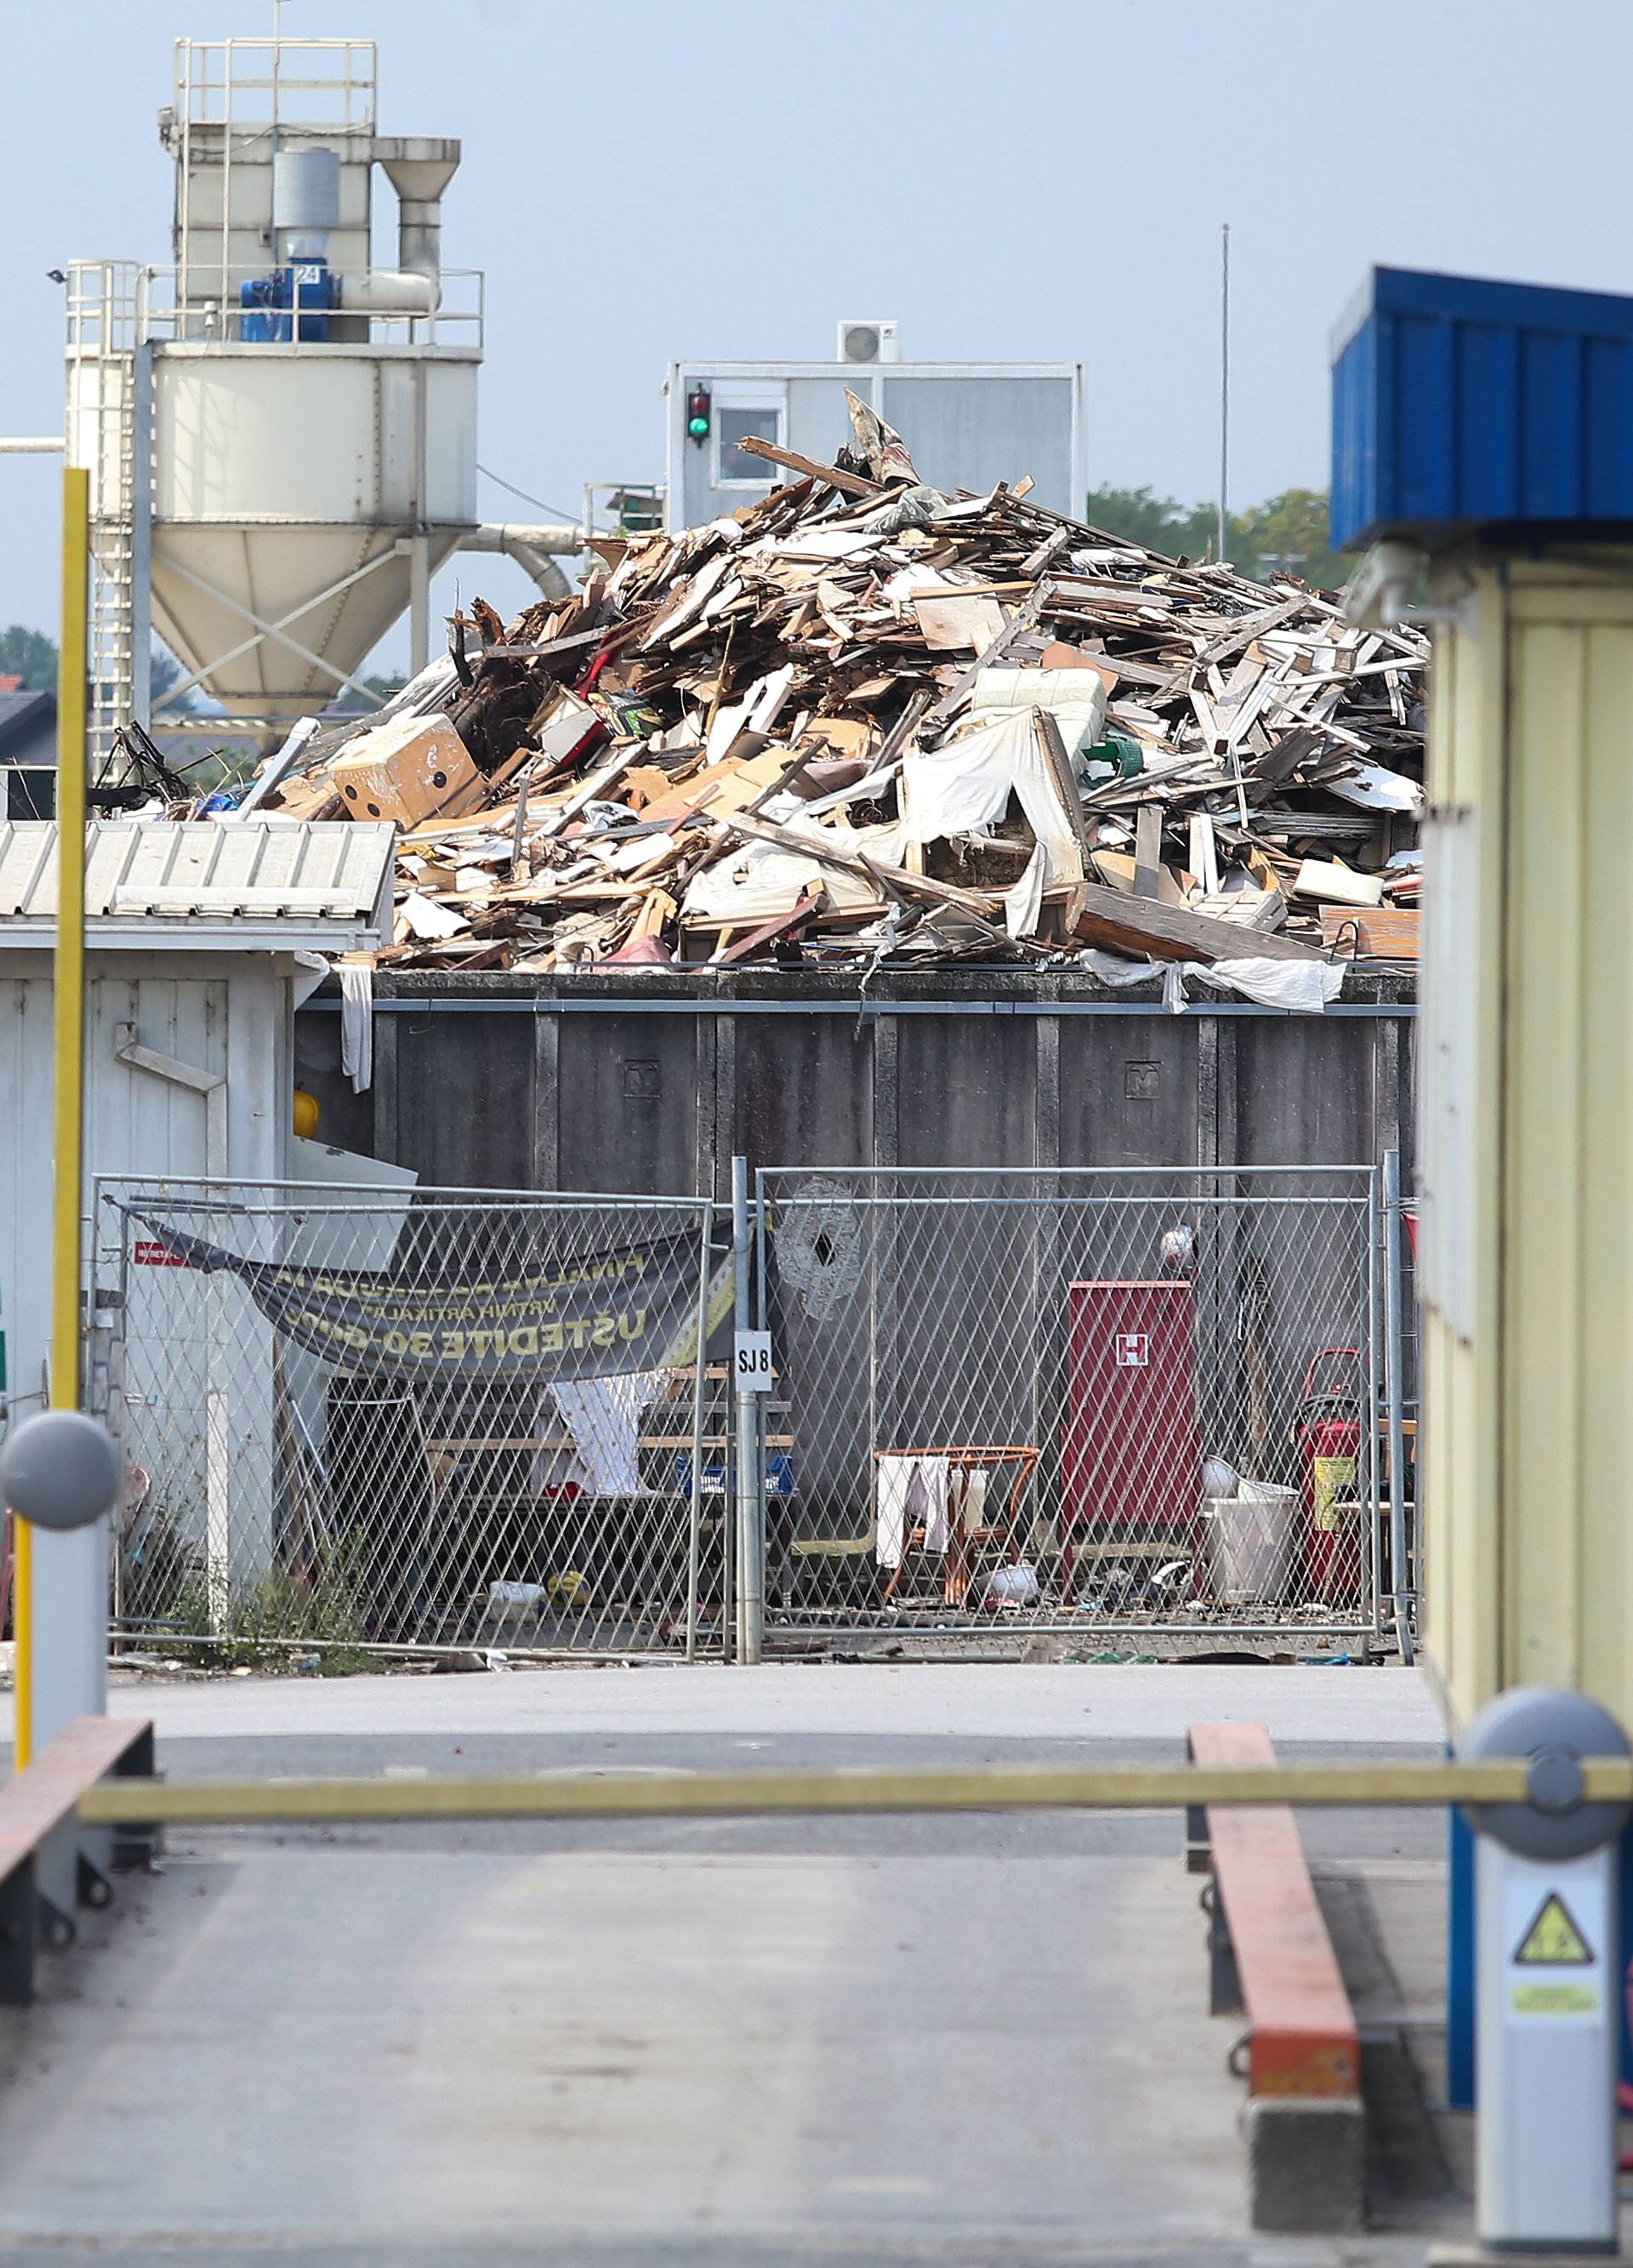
[{"x": 751, "y": 1367}]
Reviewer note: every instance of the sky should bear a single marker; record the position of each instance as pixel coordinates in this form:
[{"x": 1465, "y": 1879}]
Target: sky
[{"x": 1038, "y": 182}]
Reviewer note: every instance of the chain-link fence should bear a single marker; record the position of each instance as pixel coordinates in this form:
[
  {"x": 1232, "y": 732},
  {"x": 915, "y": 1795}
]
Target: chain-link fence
[
  {"x": 359, "y": 1418},
  {"x": 1102, "y": 1400}
]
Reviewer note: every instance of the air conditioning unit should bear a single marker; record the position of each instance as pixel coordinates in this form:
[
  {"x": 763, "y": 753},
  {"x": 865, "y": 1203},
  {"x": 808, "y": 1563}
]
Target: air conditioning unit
[{"x": 869, "y": 342}]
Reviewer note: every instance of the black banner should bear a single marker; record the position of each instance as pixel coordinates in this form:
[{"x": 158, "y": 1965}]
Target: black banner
[{"x": 600, "y": 1315}]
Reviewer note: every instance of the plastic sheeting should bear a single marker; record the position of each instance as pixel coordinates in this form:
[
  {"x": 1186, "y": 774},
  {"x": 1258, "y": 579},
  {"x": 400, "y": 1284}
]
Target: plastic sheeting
[
  {"x": 1302, "y": 986},
  {"x": 763, "y": 880},
  {"x": 965, "y": 787}
]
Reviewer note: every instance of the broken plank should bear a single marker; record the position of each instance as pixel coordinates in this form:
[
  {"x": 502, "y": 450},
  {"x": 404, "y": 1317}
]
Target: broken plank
[
  {"x": 806, "y": 908},
  {"x": 850, "y": 485},
  {"x": 1139, "y": 926}
]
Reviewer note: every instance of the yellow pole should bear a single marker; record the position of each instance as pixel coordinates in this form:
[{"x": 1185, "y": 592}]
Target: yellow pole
[{"x": 68, "y": 1010}]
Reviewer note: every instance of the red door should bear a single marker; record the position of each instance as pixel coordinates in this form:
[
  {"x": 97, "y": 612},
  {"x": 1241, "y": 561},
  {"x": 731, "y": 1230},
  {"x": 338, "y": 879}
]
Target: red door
[{"x": 1132, "y": 1459}]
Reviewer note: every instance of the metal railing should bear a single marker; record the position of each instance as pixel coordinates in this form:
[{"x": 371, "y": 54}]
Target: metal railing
[
  {"x": 1140, "y": 1401},
  {"x": 112, "y": 306}
]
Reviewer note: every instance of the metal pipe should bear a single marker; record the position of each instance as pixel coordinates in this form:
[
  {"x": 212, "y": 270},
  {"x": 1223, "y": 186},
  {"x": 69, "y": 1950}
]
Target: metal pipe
[
  {"x": 419, "y": 169},
  {"x": 68, "y": 990},
  {"x": 1225, "y": 386},
  {"x": 142, "y": 531},
  {"x": 993, "y": 1787},
  {"x": 419, "y": 603},
  {"x": 534, "y": 549},
  {"x": 1395, "y": 1390},
  {"x": 750, "y": 1473},
  {"x": 700, "y": 1369},
  {"x": 28, "y": 444},
  {"x": 388, "y": 291}
]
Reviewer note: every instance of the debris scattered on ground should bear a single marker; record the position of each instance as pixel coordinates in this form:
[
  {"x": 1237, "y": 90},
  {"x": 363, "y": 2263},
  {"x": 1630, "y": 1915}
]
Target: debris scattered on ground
[{"x": 861, "y": 721}]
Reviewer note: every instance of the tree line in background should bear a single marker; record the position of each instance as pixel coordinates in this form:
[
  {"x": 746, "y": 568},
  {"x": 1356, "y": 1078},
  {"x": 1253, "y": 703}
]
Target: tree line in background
[
  {"x": 1288, "y": 532},
  {"x": 31, "y": 655}
]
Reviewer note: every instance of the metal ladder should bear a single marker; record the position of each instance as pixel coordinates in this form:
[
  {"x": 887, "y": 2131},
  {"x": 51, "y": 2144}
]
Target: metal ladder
[{"x": 103, "y": 333}]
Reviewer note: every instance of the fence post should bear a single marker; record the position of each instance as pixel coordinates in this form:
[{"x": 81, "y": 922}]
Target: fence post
[
  {"x": 700, "y": 1374},
  {"x": 751, "y": 1530},
  {"x": 1395, "y": 1388}
]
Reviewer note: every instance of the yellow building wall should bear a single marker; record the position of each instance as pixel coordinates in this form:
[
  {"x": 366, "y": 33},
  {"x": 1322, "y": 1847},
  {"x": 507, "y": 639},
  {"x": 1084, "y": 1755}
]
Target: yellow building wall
[{"x": 1526, "y": 1453}]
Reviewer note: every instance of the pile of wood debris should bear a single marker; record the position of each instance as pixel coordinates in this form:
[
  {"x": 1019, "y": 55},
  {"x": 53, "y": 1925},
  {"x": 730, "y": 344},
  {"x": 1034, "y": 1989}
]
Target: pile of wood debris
[{"x": 862, "y": 720}]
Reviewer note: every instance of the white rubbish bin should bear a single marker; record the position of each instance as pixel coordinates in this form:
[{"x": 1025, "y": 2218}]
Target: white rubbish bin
[{"x": 1250, "y": 1544}]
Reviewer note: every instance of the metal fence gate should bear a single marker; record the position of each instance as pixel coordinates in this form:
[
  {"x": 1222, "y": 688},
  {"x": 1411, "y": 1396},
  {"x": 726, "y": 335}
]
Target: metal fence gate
[
  {"x": 1130, "y": 1401},
  {"x": 414, "y": 1418},
  {"x": 1159, "y": 1404}
]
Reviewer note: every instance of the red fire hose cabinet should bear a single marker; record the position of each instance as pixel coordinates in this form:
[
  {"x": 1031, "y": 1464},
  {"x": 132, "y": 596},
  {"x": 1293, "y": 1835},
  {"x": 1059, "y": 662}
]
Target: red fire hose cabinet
[{"x": 1132, "y": 1459}]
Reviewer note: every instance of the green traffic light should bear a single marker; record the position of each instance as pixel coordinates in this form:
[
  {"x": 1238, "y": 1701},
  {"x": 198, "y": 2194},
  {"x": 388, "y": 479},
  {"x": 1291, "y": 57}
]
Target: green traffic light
[{"x": 698, "y": 429}]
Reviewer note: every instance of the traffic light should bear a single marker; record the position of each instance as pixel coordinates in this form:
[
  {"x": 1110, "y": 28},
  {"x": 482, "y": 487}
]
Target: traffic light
[{"x": 699, "y": 413}]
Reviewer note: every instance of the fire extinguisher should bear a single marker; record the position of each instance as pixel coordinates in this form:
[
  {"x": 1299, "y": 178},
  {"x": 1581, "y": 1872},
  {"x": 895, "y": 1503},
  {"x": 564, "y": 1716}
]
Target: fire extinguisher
[{"x": 1328, "y": 1437}]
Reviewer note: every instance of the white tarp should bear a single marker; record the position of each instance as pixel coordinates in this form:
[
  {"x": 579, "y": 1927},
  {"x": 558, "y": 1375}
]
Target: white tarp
[
  {"x": 965, "y": 787},
  {"x": 1304, "y": 986},
  {"x": 763, "y": 879}
]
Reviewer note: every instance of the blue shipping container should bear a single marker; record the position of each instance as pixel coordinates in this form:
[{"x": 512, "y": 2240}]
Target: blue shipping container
[{"x": 1460, "y": 403}]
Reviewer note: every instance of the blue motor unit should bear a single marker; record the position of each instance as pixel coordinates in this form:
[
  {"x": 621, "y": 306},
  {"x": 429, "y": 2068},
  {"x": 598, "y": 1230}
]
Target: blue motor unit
[
  {"x": 1459, "y": 404},
  {"x": 270, "y": 303}
]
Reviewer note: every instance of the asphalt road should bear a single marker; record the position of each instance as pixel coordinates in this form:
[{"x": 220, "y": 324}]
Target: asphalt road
[{"x": 958, "y": 2040}]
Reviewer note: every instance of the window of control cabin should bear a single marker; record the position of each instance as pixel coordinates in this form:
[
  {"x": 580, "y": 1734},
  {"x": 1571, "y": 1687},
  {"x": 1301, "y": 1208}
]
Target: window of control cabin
[{"x": 735, "y": 423}]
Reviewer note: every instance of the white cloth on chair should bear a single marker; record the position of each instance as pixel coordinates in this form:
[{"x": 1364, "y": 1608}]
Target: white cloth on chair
[
  {"x": 913, "y": 1493},
  {"x": 927, "y": 1504},
  {"x": 895, "y": 1478}
]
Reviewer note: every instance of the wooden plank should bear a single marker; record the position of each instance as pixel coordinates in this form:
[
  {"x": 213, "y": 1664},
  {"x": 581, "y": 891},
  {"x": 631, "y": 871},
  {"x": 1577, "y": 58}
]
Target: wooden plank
[
  {"x": 1140, "y": 925},
  {"x": 1148, "y": 850},
  {"x": 1053, "y": 749},
  {"x": 1376, "y": 933},
  {"x": 1303, "y": 2038},
  {"x": 851, "y": 484},
  {"x": 39, "y": 1798},
  {"x": 1204, "y": 855}
]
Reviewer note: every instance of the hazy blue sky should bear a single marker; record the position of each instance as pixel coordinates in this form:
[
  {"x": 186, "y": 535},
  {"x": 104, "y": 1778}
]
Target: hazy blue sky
[{"x": 1039, "y": 181}]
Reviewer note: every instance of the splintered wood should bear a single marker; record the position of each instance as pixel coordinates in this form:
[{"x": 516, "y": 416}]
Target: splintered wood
[{"x": 861, "y": 720}]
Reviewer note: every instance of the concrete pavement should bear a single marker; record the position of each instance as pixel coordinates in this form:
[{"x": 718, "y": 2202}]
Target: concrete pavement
[
  {"x": 893, "y": 2040},
  {"x": 991, "y": 1701}
]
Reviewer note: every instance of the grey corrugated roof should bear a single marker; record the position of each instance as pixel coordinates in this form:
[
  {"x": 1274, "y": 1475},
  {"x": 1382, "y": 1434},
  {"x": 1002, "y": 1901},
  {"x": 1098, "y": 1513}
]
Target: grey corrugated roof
[
  {"x": 28, "y": 724},
  {"x": 261, "y": 883}
]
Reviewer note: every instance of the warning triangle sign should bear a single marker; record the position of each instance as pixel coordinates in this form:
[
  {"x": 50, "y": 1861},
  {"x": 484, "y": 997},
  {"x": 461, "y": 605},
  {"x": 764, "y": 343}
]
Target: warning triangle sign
[{"x": 1553, "y": 1940}]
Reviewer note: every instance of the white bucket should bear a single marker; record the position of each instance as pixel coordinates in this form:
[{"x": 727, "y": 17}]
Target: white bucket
[
  {"x": 1250, "y": 1542},
  {"x": 514, "y": 1602}
]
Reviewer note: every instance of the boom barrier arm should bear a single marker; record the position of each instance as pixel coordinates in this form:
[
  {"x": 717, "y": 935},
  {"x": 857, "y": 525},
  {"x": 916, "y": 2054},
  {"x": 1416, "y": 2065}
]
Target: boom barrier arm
[{"x": 745, "y": 1794}]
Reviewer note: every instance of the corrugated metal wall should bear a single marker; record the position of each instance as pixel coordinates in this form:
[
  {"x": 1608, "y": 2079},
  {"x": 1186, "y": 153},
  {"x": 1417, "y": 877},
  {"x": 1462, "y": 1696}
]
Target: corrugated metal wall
[
  {"x": 1527, "y": 1328},
  {"x": 218, "y": 1015}
]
